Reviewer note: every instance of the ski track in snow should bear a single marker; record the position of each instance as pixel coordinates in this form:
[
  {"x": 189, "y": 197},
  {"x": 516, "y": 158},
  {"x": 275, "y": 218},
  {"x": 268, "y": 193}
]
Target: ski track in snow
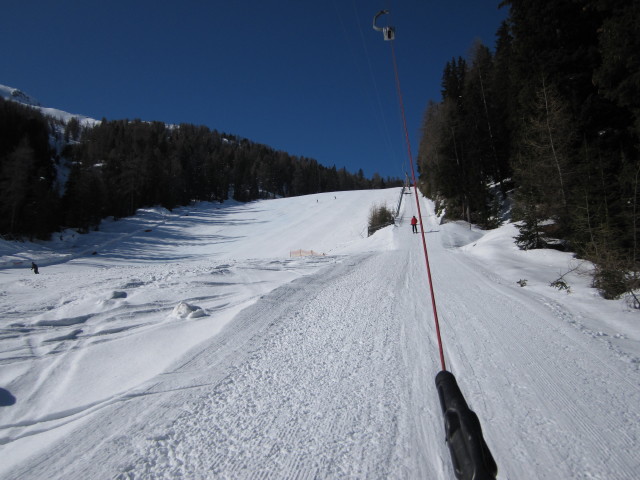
[
  {"x": 328, "y": 376},
  {"x": 314, "y": 360},
  {"x": 551, "y": 410},
  {"x": 57, "y": 337},
  {"x": 300, "y": 385}
]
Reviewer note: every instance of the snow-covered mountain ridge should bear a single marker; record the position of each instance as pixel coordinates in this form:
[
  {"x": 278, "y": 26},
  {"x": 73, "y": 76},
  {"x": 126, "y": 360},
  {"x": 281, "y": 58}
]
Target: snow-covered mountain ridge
[
  {"x": 13, "y": 94},
  {"x": 16, "y": 95}
]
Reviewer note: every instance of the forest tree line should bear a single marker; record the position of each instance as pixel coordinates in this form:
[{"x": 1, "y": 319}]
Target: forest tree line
[
  {"x": 552, "y": 118},
  {"x": 116, "y": 167}
]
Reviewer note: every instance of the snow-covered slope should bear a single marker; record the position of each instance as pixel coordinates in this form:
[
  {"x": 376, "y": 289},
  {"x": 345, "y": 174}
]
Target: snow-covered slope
[
  {"x": 16, "y": 95},
  {"x": 13, "y": 94},
  {"x": 189, "y": 344}
]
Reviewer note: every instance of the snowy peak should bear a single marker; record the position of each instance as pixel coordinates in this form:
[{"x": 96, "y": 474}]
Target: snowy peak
[
  {"x": 13, "y": 94},
  {"x": 19, "y": 96}
]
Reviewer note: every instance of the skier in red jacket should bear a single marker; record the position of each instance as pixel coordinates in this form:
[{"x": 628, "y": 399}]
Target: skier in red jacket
[{"x": 414, "y": 224}]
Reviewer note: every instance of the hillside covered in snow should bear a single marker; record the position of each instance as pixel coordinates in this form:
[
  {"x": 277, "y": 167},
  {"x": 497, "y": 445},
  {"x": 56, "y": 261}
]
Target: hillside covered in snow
[
  {"x": 59, "y": 170},
  {"x": 16, "y": 95},
  {"x": 198, "y": 344}
]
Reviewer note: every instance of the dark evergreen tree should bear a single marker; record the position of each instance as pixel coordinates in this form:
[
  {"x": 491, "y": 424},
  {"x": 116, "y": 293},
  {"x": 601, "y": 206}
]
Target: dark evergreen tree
[
  {"x": 28, "y": 200},
  {"x": 618, "y": 75},
  {"x": 559, "y": 104},
  {"x": 119, "y": 166}
]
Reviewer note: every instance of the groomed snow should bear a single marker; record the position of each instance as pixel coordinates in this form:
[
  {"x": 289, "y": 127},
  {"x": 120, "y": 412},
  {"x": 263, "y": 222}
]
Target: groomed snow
[{"x": 190, "y": 344}]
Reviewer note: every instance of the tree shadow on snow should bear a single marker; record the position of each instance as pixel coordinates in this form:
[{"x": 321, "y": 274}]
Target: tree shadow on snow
[{"x": 6, "y": 399}]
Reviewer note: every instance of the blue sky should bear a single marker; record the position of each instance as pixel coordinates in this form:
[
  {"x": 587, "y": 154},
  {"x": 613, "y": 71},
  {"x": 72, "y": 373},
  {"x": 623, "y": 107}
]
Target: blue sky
[{"x": 310, "y": 78}]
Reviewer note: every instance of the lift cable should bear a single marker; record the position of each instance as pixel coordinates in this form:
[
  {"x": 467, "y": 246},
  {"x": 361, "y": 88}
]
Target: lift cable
[{"x": 470, "y": 455}]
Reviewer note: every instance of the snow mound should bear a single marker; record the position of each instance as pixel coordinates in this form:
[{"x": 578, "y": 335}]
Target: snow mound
[{"x": 185, "y": 310}]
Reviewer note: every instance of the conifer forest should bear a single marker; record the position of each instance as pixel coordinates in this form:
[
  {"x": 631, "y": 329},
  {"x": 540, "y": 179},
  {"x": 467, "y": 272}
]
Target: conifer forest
[
  {"x": 118, "y": 166},
  {"x": 548, "y": 126}
]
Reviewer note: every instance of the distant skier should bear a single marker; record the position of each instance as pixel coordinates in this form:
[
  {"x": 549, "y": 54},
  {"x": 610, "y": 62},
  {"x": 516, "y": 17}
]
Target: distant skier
[
  {"x": 34, "y": 267},
  {"x": 414, "y": 224}
]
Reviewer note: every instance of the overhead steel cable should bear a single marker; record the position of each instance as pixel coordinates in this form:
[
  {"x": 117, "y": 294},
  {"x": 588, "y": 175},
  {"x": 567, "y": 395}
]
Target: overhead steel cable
[
  {"x": 389, "y": 35},
  {"x": 470, "y": 454}
]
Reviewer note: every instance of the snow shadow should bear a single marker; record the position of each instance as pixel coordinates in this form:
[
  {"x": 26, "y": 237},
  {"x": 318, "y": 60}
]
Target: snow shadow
[
  {"x": 163, "y": 246},
  {"x": 6, "y": 398},
  {"x": 199, "y": 229}
]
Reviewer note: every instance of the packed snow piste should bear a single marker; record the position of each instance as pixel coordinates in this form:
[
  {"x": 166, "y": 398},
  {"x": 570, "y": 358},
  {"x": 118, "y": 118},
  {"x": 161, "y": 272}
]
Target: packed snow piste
[{"x": 470, "y": 454}]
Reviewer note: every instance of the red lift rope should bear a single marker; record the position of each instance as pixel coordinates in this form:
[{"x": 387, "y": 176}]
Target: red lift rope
[
  {"x": 415, "y": 192},
  {"x": 470, "y": 454}
]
